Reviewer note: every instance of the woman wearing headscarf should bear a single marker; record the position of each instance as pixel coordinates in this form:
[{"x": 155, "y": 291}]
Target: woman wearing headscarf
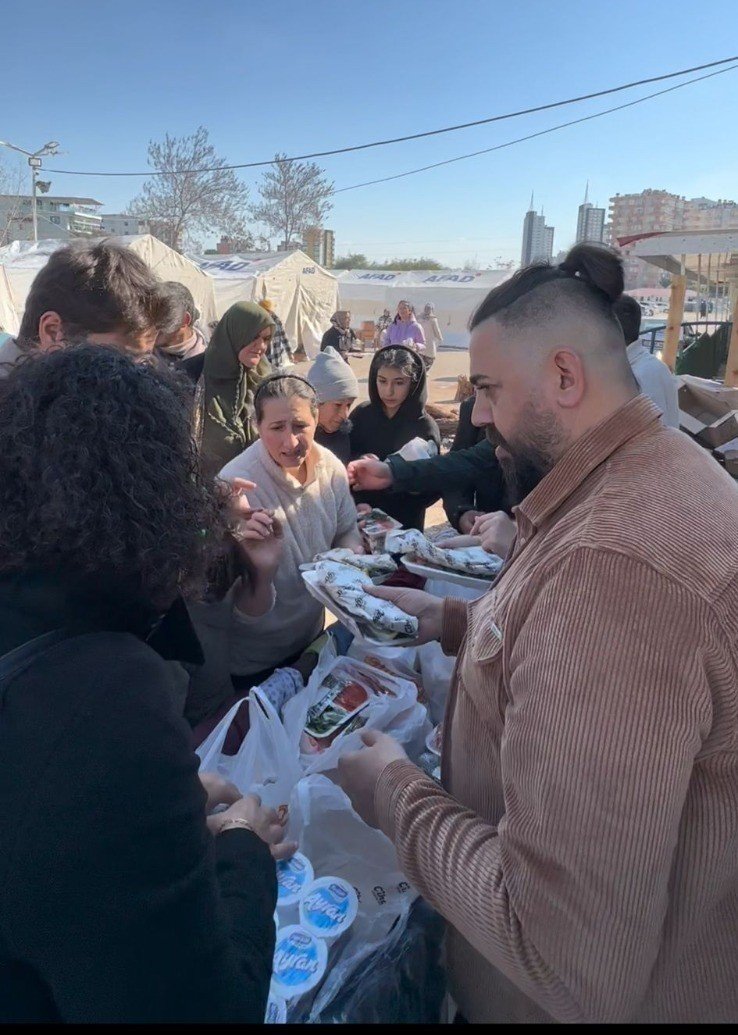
[
  {"x": 339, "y": 335},
  {"x": 227, "y": 375}
]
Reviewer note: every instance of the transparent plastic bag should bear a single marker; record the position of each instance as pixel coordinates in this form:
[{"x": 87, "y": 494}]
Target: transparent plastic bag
[
  {"x": 397, "y": 713},
  {"x": 266, "y": 763},
  {"x": 338, "y": 843}
]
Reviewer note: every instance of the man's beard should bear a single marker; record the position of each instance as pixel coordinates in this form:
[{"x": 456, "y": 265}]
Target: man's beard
[{"x": 528, "y": 461}]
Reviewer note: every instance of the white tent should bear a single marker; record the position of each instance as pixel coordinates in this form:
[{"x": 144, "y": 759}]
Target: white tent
[
  {"x": 8, "y": 315},
  {"x": 455, "y": 294},
  {"x": 21, "y": 261},
  {"x": 304, "y": 295}
]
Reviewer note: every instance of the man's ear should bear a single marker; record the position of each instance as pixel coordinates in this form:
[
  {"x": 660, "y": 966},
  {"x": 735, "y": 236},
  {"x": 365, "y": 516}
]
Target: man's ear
[
  {"x": 50, "y": 330},
  {"x": 569, "y": 372}
]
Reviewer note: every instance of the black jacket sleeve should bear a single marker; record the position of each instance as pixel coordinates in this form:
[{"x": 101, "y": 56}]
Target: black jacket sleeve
[
  {"x": 451, "y": 470},
  {"x": 123, "y": 902},
  {"x": 462, "y": 498}
]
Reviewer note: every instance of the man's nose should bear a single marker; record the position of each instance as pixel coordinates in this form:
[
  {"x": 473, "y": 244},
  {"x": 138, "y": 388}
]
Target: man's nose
[{"x": 481, "y": 412}]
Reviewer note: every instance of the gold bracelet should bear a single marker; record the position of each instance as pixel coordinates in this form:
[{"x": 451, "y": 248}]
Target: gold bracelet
[{"x": 236, "y": 821}]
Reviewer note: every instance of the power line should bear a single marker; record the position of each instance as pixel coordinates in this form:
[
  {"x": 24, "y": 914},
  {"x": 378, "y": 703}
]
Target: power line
[
  {"x": 531, "y": 136},
  {"x": 411, "y": 136}
]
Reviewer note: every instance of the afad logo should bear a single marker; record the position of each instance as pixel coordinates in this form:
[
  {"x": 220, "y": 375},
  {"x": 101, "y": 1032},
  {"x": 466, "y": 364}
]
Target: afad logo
[
  {"x": 455, "y": 278},
  {"x": 308, "y": 269},
  {"x": 377, "y": 276},
  {"x": 229, "y": 265}
]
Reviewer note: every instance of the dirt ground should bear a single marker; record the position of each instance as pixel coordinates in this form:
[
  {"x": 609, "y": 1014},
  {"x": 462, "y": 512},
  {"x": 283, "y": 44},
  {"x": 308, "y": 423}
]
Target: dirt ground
[{"x": 442, "y": 381}]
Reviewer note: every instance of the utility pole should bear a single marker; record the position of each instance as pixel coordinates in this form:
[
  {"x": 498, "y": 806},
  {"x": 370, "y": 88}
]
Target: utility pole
[{"x": 34, "y": 161}]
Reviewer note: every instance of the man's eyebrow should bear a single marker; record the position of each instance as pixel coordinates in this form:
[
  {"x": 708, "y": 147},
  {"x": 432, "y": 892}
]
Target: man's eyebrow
[{"x": 477, "y": 379}]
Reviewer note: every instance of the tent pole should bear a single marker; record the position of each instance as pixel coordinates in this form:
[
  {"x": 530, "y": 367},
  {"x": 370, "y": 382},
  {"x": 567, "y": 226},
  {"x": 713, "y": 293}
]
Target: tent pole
[
  {"x": 731, "y": 367},
  {"x": 699, "y": 285},
  {"x": 676, "y": 315}
]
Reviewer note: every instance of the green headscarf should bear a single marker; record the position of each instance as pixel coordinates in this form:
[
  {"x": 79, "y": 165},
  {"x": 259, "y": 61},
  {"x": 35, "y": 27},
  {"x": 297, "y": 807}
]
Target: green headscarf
[{"x": 229, "y": 387}]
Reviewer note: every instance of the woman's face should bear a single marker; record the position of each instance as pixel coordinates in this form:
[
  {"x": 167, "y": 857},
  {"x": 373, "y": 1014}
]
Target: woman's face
[
  {"x": 393, "y": 388},
  {"x": 251, "y": 354},
  {"x": 344, "y": 321},
  {"x": 287, "y": 429},
  {"x": 331, "y": 415},
  {"x": 405, "y": 311}
]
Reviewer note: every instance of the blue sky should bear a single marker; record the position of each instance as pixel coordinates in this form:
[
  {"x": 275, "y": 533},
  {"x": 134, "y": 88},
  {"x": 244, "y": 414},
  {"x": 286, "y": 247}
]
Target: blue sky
[{"x": 105, "y": 77}]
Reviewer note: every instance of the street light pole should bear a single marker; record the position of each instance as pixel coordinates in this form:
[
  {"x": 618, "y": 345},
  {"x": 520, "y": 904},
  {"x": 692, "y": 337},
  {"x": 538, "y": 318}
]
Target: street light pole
[
  {"x": 35, "y": 164},
  {"x": 34, "y": 160}
]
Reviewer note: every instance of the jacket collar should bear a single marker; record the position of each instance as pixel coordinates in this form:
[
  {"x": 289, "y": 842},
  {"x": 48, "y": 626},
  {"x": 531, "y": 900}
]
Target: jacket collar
[
  {"x": 33, "y": 603},
  {"x": 585, "y": 455}
]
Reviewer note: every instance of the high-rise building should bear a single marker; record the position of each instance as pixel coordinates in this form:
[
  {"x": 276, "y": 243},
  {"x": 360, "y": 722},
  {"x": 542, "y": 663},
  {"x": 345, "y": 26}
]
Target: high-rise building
[
  {"x": 537, "y": 237},
  {"x": 590, "y": 221},
  {"x": 320, "y": 245}
]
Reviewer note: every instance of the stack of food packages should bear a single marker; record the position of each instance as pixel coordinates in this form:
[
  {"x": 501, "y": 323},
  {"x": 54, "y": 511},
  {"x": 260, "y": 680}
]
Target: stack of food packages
[{"x": 315, "y": 910}]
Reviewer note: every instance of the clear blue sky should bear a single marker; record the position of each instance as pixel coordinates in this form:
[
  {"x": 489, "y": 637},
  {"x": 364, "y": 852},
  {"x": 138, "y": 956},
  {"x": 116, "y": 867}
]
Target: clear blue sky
[{"x": 105, "y": 77}]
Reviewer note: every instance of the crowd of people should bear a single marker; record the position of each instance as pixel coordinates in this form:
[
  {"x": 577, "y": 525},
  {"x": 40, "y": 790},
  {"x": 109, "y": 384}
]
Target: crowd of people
[{"x": 158, "y": 495}]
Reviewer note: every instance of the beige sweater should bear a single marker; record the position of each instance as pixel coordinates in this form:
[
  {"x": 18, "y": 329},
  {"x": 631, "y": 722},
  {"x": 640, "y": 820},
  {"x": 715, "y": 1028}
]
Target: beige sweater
[
  {"x": 585, "y": 848},
  {"x": 314, "y": 517}
]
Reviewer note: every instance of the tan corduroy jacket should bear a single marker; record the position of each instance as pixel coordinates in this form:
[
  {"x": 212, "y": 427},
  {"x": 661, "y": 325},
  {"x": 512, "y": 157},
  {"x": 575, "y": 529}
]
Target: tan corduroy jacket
[{"x": 585, "y": 848}]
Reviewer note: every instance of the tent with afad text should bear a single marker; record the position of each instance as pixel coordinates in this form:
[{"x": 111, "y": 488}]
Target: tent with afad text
[
  {"x": 20, "y": 261},
  {"x": 454, "y": 294},
  {"x": 303, "y": 294}
]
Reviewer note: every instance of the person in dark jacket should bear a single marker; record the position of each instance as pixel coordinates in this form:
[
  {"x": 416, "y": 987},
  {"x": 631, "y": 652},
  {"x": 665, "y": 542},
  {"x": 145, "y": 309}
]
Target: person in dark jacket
[
  {"x": 393, "y": 416},
  {"x": 121, "y": 901},
  {"x": 336, "y": 387},
  {"x": 481, "y": 494},
  {"x": 339, "y": 335}
]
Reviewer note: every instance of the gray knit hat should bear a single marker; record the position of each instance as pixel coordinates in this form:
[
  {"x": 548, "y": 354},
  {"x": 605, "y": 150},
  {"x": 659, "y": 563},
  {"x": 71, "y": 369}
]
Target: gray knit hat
[{"x": 332, "y": 377}]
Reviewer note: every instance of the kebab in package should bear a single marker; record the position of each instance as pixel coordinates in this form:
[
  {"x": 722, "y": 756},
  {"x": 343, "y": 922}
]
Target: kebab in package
[
  {"x": 342, "y": 706},
  {"x": 374, "y": 527},
  {"x": 468, "y": 560},
  {"x": 378, "y": 566},
  {"x": 343, "y": 589}
]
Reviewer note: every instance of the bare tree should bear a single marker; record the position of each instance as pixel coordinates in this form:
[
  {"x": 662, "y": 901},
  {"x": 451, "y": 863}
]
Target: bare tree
[
  {"x": 13, "y": 185},
  {"x": 192, "y": 192},
  {"x": 294, "y": 196}
]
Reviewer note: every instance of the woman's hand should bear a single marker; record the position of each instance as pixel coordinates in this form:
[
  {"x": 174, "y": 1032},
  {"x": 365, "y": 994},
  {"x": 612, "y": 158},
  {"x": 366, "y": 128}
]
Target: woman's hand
[
  {"x": 264, "y": 822},
  {"x": 260, "y": 542},
  {"x": 219, "y": 791},
  {"x": 426, "y": 608}
]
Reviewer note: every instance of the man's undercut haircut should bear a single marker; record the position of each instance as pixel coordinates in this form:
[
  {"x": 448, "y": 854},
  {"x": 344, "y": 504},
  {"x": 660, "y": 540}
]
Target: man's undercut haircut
[
  {"x": 588, "y": 281},
  {"x": 628, "y": 312}
]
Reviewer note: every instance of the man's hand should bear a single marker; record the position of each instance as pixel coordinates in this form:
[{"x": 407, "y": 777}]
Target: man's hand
[
  {"x": 219, "y": 791},
  {"x": 359, "y": 771},
  {"x": 496, "y": 532},
  {"x": 467, "y": 519},
  {"x": 426, "y": 608},
  {"x": 459, "y": 542},
  {"x": 369, "y": 475}
]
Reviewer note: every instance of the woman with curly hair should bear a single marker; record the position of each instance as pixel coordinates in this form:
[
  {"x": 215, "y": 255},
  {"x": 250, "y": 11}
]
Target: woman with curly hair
[{"x": 121, "y": 899}]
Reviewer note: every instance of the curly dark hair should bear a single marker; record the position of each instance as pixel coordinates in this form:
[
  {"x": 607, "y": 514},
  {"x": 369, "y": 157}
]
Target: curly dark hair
[{"x": 99, "y": 476}]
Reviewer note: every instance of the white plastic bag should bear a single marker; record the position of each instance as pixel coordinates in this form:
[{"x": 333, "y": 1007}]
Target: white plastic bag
[
  {"x": 397, "y": 713},
  {"x": 338, "y": 843},
  {"x": 266, "y": 763}
]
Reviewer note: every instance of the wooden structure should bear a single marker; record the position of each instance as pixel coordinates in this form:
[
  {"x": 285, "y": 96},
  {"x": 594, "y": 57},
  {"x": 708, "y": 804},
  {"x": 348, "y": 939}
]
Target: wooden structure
[{"x": 693, "y": 257}]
